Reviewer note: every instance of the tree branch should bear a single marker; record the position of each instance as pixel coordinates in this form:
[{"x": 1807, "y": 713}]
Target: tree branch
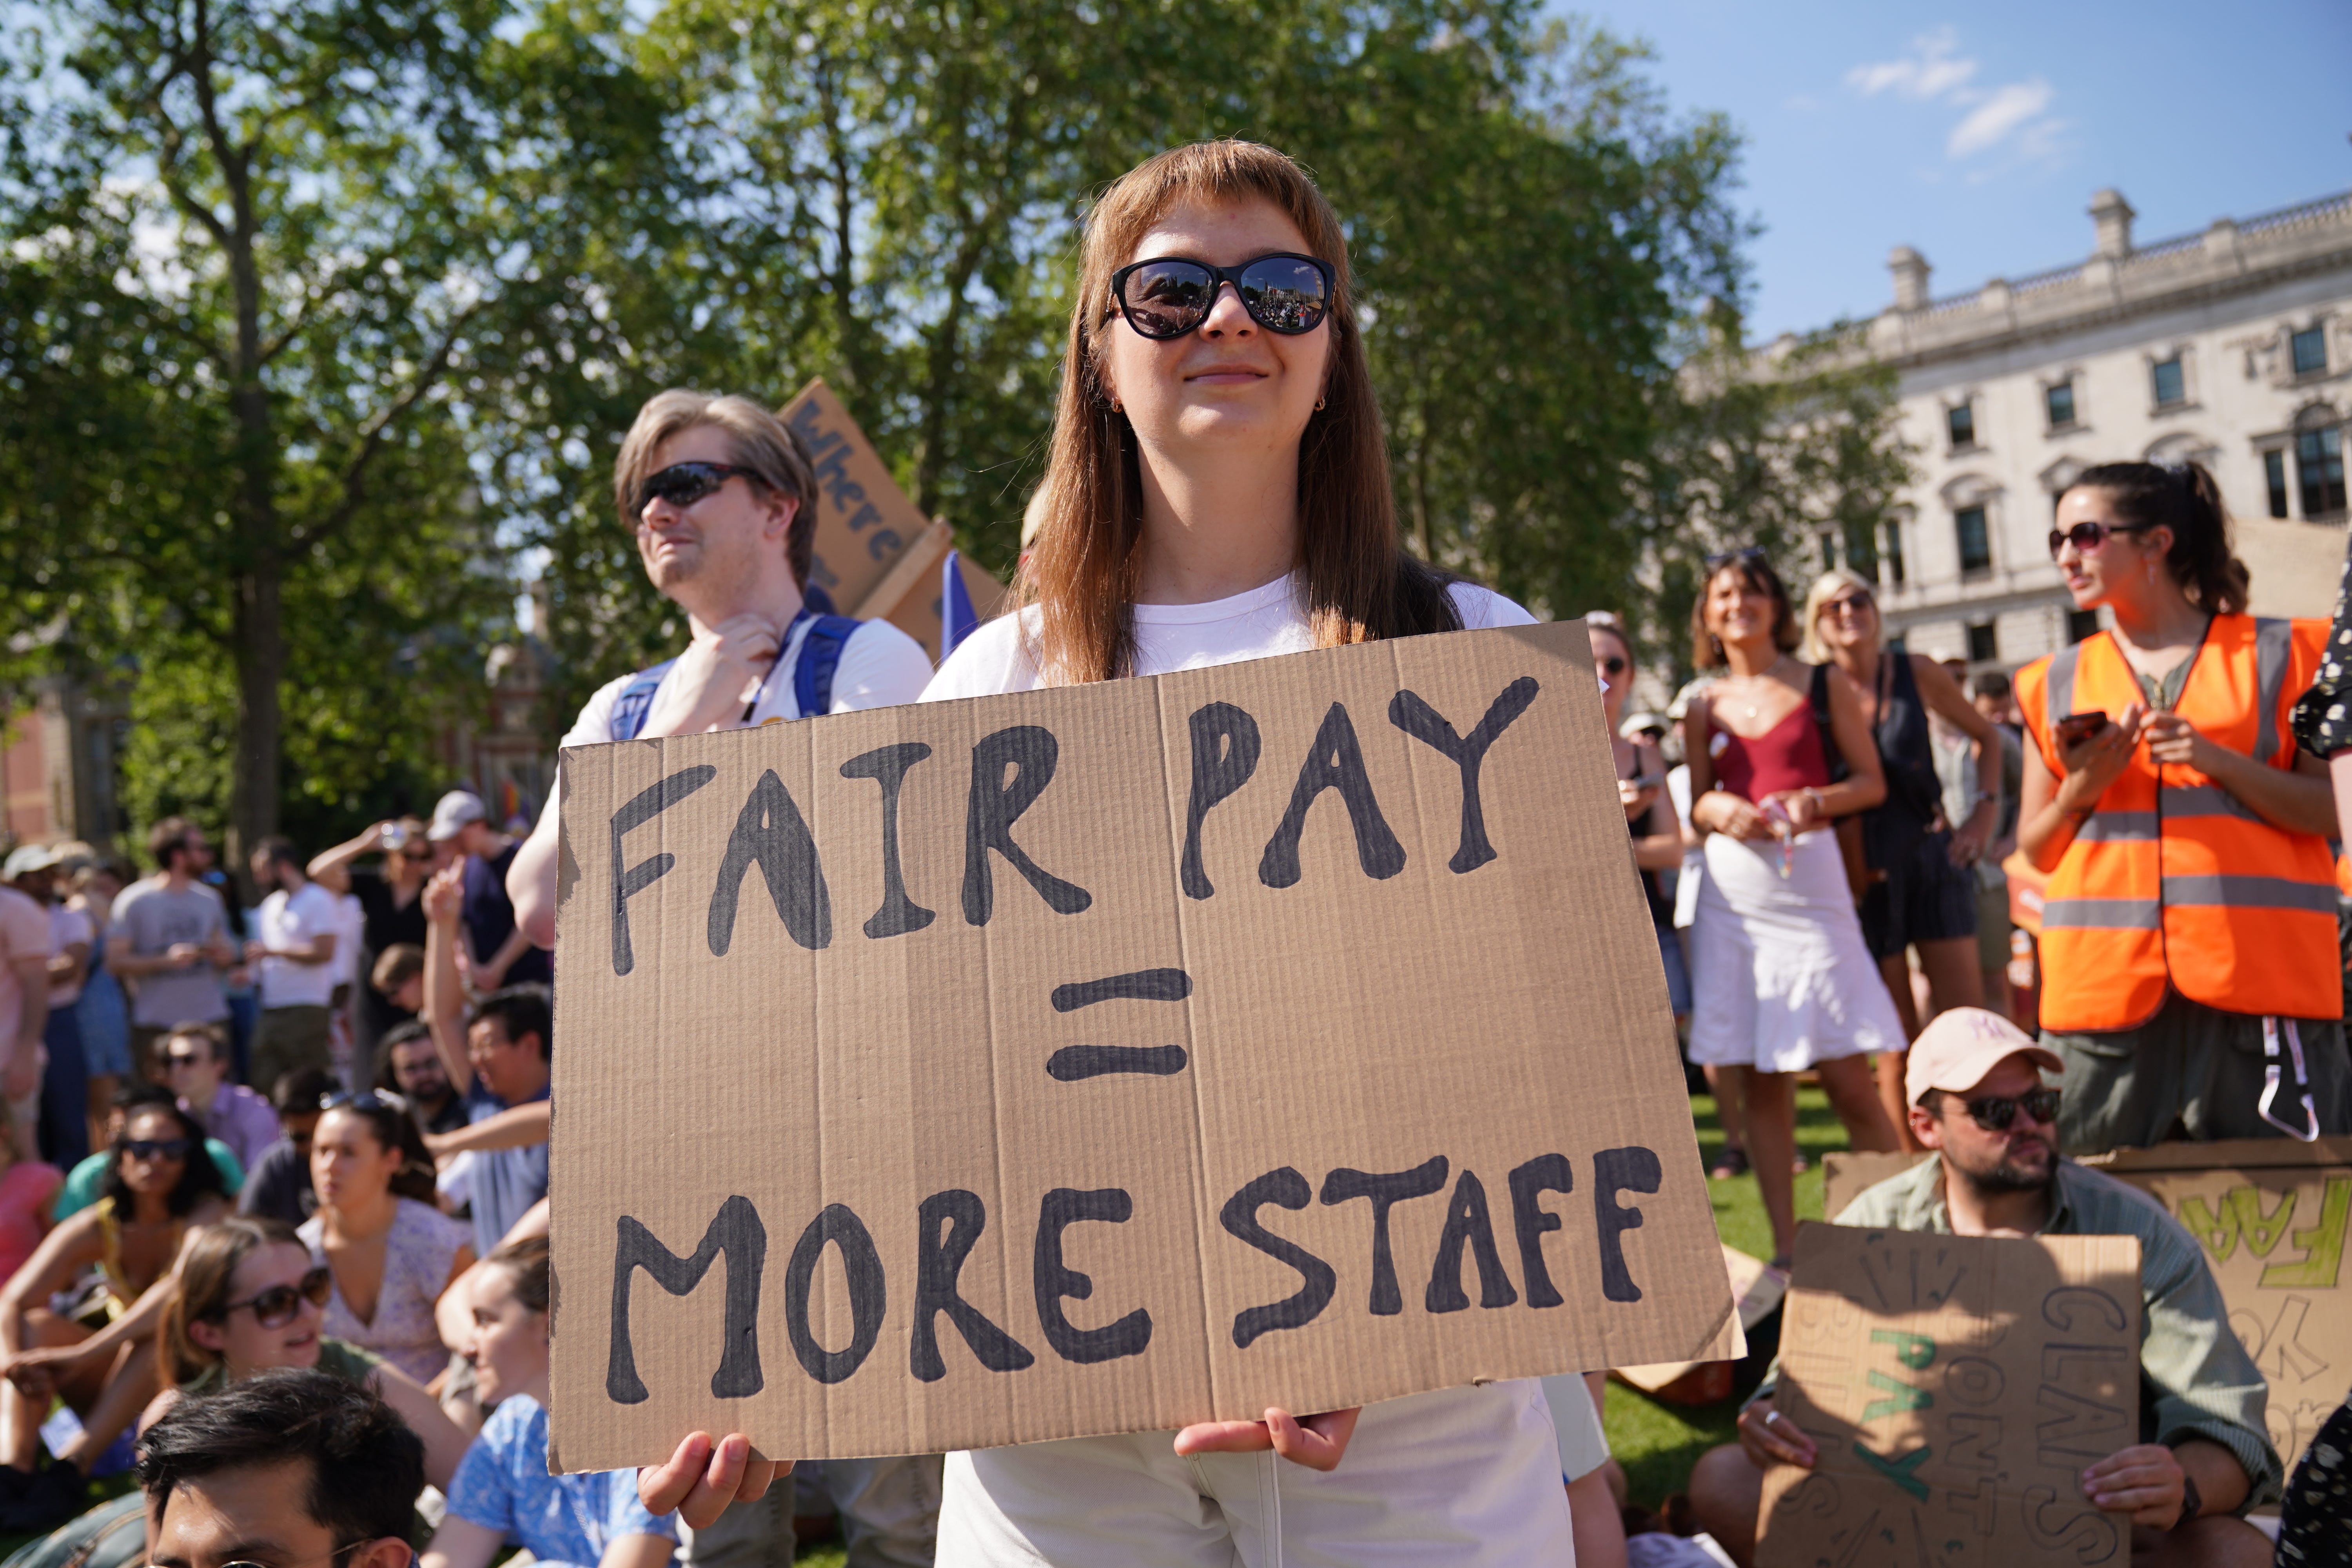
[{"x": 377, "y": 430}]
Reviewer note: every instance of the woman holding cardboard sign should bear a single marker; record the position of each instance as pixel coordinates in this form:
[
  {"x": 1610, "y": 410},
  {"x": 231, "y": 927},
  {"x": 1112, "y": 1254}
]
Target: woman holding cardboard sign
[
  {"x": 1785, "y": 981},
  {"x": 1220, "y": 491}
]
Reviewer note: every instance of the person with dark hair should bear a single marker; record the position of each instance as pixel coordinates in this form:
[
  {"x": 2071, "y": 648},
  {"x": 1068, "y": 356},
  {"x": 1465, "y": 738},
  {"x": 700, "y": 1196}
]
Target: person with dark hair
[
  {"x": 1785, "y": 982},
  {"x": 392, "y": 912},
  {"x": 194, "y": 1059},
  {"x": 497, "y": 1058},
  {"x": 169, "y": 938},
  {"x": 301, "y": 1468},
  {"x": 279, "y": 1186},
  {"x": 294, "y": 954},
  {"x": 721, "y": 495},
  {"x": 502, "y": 1491},
  {"x": 2191, "y": 980},
  {"x": 95, "y": 1355},
  {"x": 86, "y": 1182},
  {"x": 409, "y": 1064},
  {"x": 2200, "y": 1453},
  {"x": 392, "y": 1251}
]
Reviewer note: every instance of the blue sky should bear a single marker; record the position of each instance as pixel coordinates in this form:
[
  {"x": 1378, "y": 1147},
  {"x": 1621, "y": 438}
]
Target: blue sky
[{"x": 1977, "y": 133}]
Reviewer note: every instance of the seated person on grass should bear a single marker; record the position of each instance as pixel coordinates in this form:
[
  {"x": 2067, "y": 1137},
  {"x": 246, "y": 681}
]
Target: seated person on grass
[
  {"x": 118, "y": 1256},
  {"x": 1977, "y": 1102},
  {"x": 288, "y": 1469},
  {"x": 278, "y": 1186},
  {"x": 502, "y": 1491},
  {"x": 84, "y": 1182}
]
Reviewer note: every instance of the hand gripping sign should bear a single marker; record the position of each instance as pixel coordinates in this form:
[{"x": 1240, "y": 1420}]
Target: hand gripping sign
[{"x": 1110, "y": 1058}]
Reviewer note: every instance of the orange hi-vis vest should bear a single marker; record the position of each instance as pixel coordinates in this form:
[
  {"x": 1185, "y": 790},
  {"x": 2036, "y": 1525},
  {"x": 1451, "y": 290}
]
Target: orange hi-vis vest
[{"x": 2171, "y": 880}]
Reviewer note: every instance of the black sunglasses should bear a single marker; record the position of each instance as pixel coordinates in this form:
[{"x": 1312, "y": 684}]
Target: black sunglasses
[
  {"x": 275, "y": 1308},
  {"x": 1169, "y": 296},
  {"x": 1994, "y": 1112},
  {"x": 2089, "y": 536},
  {"x": 683, "y": 484},
  {"x": 155, "y": 1147},
  {"x": 1723, "y": 558}
]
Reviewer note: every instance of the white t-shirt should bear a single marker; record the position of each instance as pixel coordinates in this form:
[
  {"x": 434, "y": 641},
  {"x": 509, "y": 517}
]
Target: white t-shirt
[
  {"x": 68, "y": 927},
  {"x": 296, "y": 921},
  {"x": 351, "y": 935},
  {"x": 880, "y": 667},
  {"x": 1260, "y": 623}
]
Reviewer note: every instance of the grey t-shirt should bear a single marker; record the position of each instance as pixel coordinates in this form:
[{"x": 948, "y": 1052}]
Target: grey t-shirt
[{"x": 154, "y": 917}]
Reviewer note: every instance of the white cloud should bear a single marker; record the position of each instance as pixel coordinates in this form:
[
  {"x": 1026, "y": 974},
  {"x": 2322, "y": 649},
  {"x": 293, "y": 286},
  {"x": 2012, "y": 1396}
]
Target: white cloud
[
  {"x": 1929, "y": 71},
  {"x": 1935, "y": 71},
  {"x": 2003, "y": 110}
]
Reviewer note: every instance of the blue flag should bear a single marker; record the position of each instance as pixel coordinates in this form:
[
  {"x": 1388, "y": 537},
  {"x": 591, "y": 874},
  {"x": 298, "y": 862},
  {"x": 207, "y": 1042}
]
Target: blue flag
[{"x": 957, "y": 618}]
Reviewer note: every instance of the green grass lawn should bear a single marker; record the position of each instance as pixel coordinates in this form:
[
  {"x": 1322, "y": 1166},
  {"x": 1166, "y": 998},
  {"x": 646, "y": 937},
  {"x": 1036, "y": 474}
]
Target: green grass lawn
[{"x": 1656, "y": 1442}]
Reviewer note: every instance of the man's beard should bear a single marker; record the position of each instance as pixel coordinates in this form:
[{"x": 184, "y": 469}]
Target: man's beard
[{"x": 2008, "y": 1177}]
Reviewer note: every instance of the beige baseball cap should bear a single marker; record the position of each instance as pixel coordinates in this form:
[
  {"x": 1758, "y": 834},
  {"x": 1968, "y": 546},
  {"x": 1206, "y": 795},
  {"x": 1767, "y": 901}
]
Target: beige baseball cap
[{"x": 1956, "y": 1051}]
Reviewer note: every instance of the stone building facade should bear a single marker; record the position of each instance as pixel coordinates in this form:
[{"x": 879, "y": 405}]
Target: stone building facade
[{"x": 2232, "y": 346}]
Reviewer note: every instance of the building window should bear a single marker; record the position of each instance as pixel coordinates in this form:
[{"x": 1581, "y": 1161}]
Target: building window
[
  {"x": 1976, "y": 541},
  {"x": 2319, "y": 467},
  {"x": 1895, "y": 575},
  {"x": 2060, "y": 400},
  {"x": 2081, "y": 624},
  {"x": 2171, "y": 388},
  {"x": 2308, "y": 349},
  {"x": 2274, "y": 472},
  {"x": 1984, "y": 644},
  {"x": 1829, "y": 551},
  {"x": 1962, "y": 419}
]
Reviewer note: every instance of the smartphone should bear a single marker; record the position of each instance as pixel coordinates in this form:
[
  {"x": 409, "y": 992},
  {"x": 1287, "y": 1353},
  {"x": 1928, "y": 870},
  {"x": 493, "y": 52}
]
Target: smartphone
[{"x": 2077, "y": 728}]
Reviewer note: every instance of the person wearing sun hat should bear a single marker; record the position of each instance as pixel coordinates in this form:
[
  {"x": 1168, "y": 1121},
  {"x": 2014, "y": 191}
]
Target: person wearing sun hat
[{"x": 1977, "y": 1100}]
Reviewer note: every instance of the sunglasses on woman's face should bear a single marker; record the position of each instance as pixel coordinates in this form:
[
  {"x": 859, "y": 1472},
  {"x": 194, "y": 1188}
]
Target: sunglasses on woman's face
[
  {"x": 683, "y": 484},
  {"x": 1169, "y": 296},
  {"x": 1852, "y": 605},
  {"x": 1994, "y": 1112},
  {"x": 156, "y": 1148},
  {"x": 276, "y": 1306},
  {"x": 2089, "y": 537}
]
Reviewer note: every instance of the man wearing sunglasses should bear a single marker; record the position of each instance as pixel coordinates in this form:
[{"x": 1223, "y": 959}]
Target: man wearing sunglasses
[
  {"x": 1977, "y": 1101},
  {"x": 287, "y": 1469},
  {"x": 723, "y": 502}
]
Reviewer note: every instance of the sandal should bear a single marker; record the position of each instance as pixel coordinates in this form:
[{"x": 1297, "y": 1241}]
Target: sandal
[{"x": 1732, "y": 1162}]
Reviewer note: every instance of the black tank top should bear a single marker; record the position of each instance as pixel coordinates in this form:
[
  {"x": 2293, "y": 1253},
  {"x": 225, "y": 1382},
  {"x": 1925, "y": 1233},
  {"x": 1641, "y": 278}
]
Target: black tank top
[{"x": 1907, "y": 751}]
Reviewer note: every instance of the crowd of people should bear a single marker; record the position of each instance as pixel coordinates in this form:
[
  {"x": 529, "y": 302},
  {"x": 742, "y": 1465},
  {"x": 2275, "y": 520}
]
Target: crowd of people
[{"x": 275, "y": 1204}]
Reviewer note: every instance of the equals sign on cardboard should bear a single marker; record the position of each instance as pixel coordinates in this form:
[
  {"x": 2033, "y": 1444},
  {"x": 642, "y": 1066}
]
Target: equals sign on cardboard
[{"x": 1072, "y": 1063}]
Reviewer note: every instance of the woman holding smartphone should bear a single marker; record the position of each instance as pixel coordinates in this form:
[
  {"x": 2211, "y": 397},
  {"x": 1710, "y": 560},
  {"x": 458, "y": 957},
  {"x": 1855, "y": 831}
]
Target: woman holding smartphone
[
  {"x": 1220, "y": 491},
  {"x": 2191, "y": 981}
]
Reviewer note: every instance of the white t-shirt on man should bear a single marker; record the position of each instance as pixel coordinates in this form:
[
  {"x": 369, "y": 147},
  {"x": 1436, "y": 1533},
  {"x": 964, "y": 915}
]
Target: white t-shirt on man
[
  {"x": 880, "y": 667},
  {"x": 68, "y": 927},
  {"x": 297, "y": 920}
]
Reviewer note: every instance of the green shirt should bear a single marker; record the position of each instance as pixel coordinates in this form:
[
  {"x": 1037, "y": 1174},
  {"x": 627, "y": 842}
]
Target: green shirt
[
  {"x": 2195, "y": 1378},
  {"x": 348, "y": 1364},
  {"x": 83, "y": 1182}
]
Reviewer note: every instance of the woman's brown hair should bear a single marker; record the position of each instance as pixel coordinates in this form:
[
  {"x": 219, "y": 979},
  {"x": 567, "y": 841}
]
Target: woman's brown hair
[
  {"x": 1081, "y": 574},
  {"x": 2187, "y": 500},
  {"x": 205, "y": 1272},
  {"x": 1706, "y": 651},
  {"x": 525, "y": 1262}
]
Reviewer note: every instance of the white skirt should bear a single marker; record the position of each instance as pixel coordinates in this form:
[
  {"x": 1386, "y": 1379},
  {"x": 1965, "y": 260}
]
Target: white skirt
[{"x": 1784, "y": 980}]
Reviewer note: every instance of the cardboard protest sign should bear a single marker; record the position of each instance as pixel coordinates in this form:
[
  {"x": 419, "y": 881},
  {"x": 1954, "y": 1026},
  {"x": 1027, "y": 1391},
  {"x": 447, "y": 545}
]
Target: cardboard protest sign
[
  {"x": 917, "y": 613},
  {"x": 1849, "y": 1173},
  {"x": 2273, "y": 1215},
  {"x": 1110, "y": 1058},
  {"x": 1955, "y": 1388},
  {"x": 1757, "y": 1287}
]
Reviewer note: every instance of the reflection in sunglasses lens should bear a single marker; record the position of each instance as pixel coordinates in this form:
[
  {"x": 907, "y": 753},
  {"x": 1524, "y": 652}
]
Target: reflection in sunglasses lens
[
  {"x": 1283, "y": 294},
  {"x": 1169, "y": 298}
]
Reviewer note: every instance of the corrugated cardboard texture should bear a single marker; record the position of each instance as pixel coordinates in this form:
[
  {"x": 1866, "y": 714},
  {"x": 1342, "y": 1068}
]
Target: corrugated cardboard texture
[
  {"x": 2273, "y": 1215},
  {"x": 945, "y": 1226},
  {"x": 1756, "y": 1287},
  {"x": 1956, "y": 1388},
  {"x": 1847, "y": 1174},
  {"x": 864, "y": 520}
]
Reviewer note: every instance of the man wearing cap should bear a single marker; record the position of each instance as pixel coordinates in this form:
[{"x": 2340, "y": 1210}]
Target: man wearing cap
[
  {"x": 500, "y": 954},
  {"x": 1977, "y": 1104}
]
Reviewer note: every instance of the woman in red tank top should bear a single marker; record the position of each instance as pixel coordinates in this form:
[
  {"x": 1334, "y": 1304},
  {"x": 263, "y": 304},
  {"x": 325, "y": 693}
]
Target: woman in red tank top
[{"x": 1785, "y": 982}]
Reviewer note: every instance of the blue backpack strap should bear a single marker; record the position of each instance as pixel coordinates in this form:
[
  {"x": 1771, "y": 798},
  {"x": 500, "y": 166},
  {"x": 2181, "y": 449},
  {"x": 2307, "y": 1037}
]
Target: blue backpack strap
[
  {"x": 820, "y": 652},
  {"x": 636, "y": 699}
]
